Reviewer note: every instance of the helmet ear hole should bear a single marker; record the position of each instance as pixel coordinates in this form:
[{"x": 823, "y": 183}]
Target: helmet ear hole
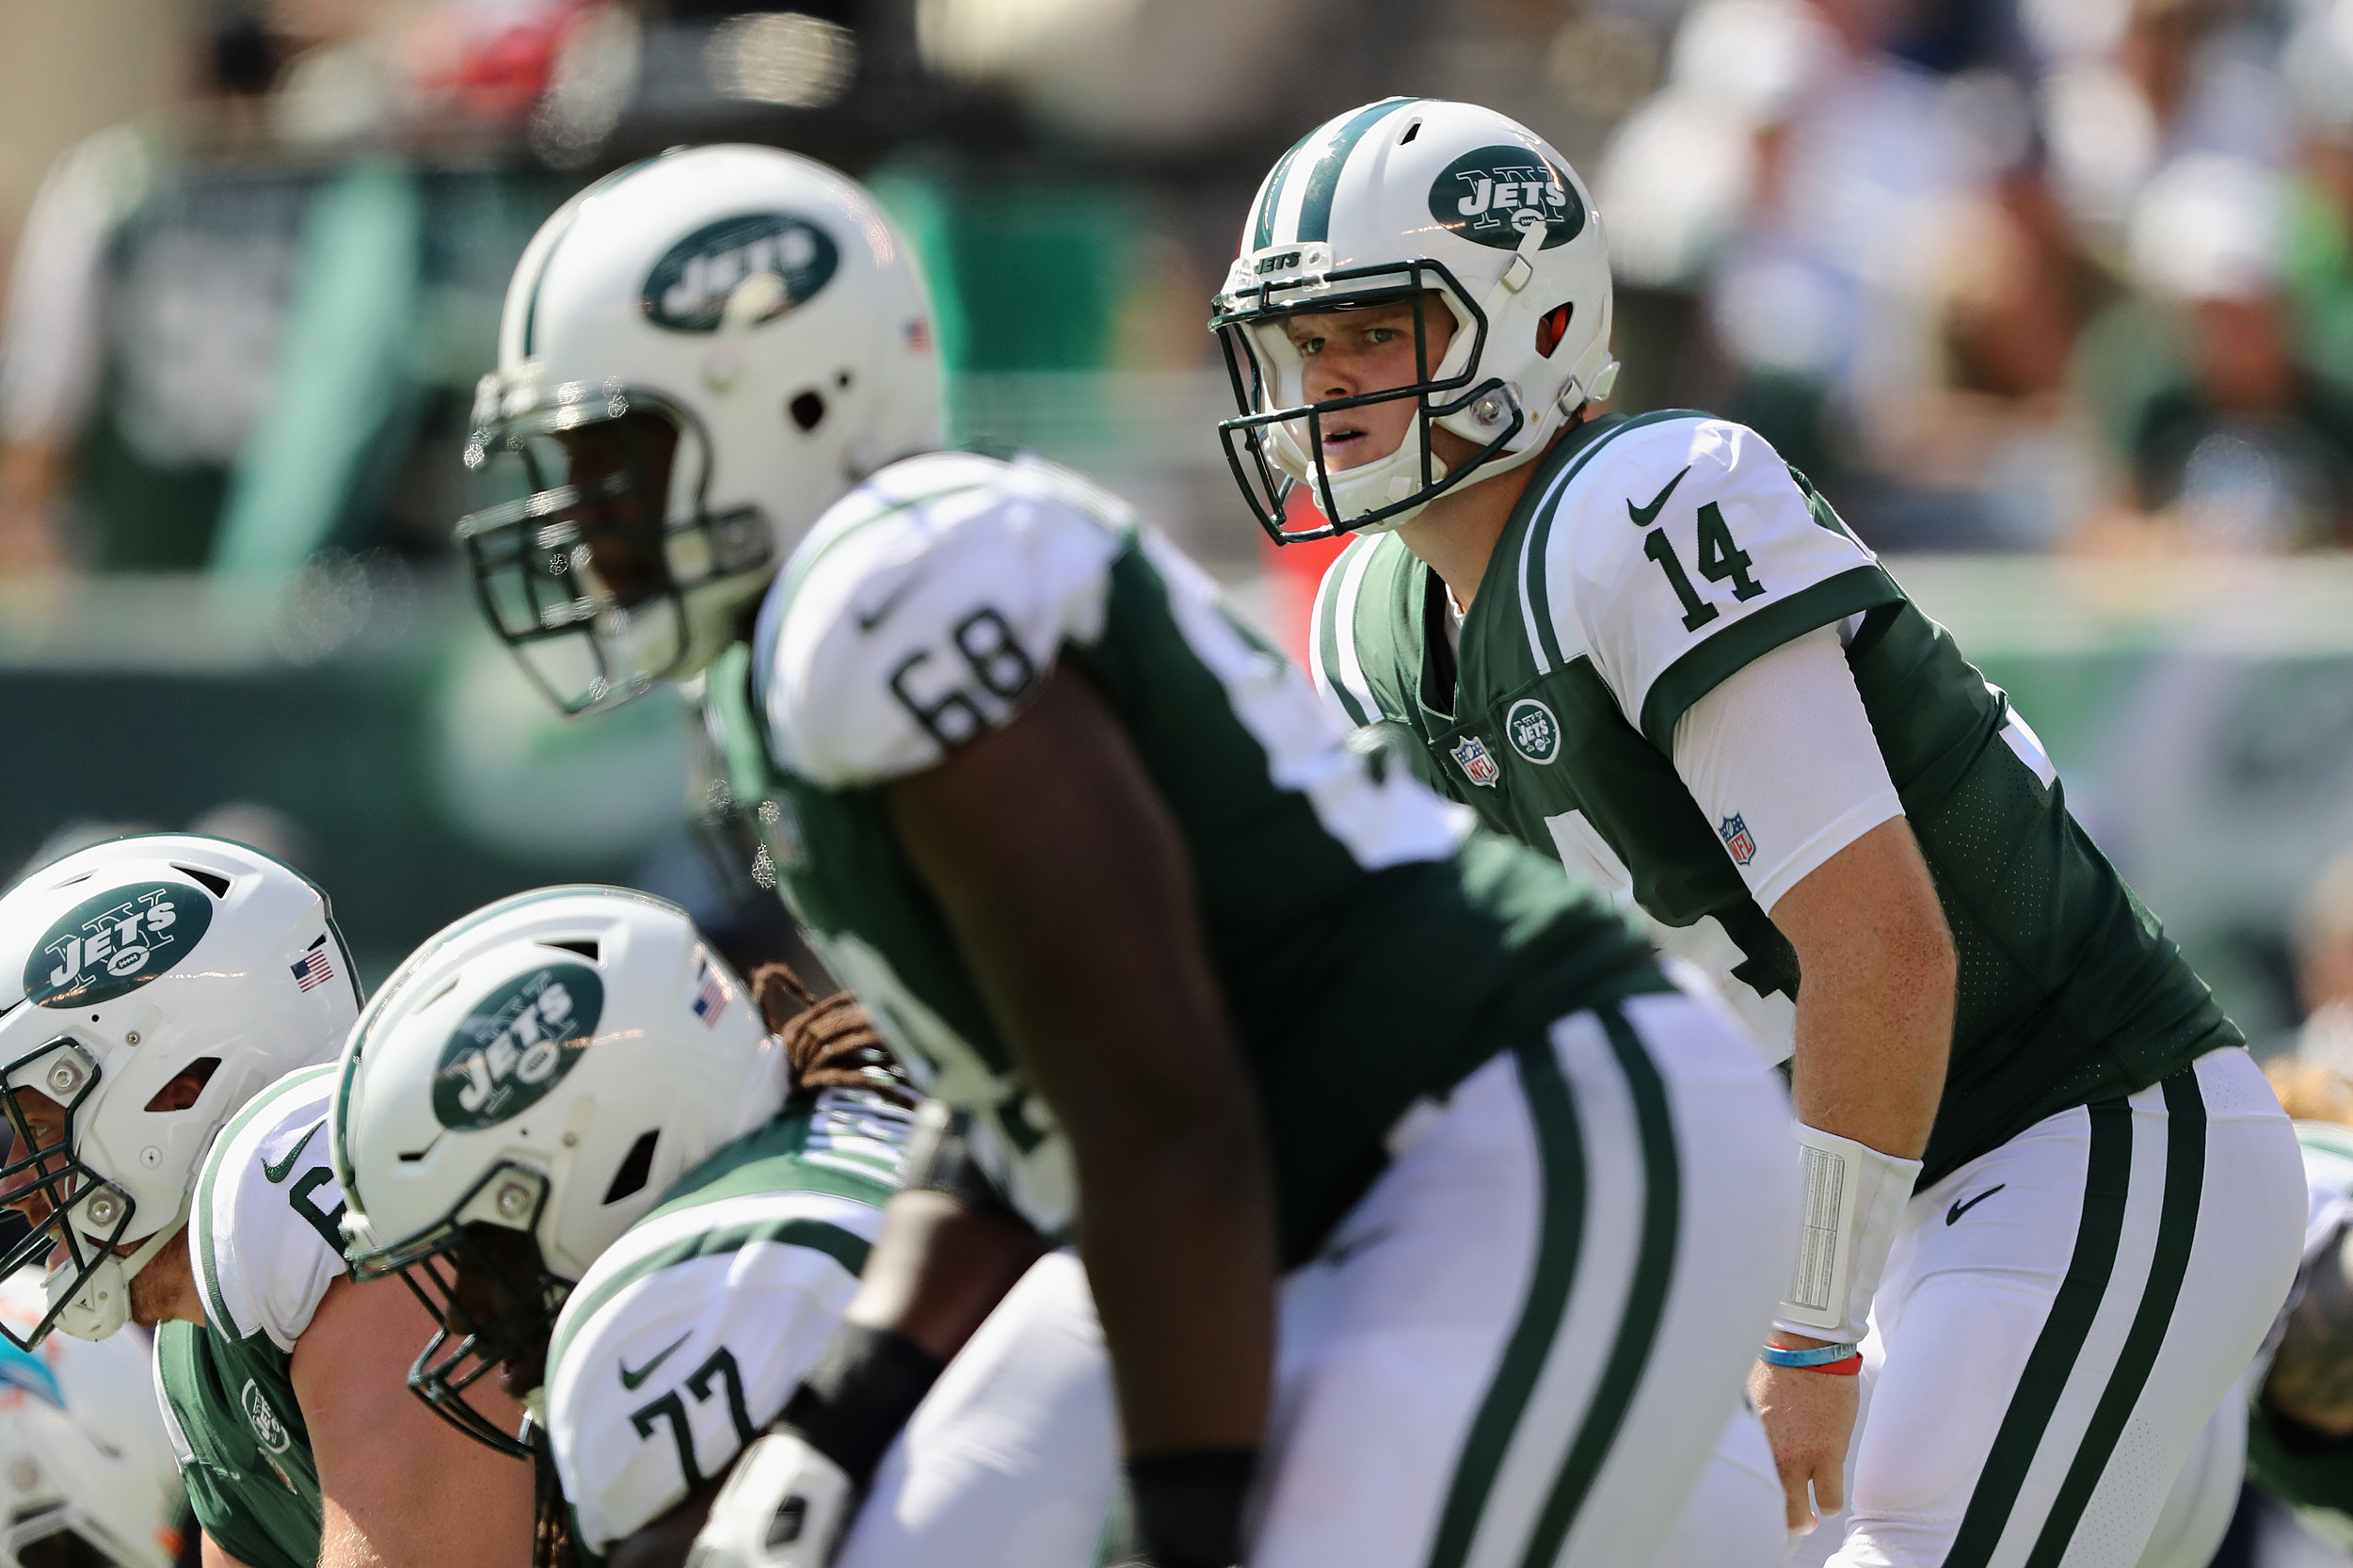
[
  {"x": 635, "y": 1167},
  {"x": 806, "y": 410},
  {"x": 187, "y": 1087},
  {"x": 1553, "y": 327}
]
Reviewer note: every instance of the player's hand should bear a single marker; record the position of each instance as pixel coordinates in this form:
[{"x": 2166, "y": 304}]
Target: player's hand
[
  {"x": 784, "y": 1506},
  {"x": 1808, "y": 1416}
]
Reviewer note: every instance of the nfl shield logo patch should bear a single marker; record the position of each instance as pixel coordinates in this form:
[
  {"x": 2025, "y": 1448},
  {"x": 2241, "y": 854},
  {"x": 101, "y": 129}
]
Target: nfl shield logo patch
[
  {"x": 1478, "y": 766},
  {"x": 1735, "y": 837}
]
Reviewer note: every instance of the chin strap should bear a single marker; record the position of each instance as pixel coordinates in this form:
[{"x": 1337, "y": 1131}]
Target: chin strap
[{"x": 102, "y": 1303}]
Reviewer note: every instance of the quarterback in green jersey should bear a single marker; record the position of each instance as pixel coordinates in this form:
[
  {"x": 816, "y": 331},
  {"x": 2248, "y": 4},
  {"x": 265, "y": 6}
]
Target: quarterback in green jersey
[
  {"x": 2051, "y": 1203},
  {"x": 1253, "y": 1019},
  {"x": 171, "y": 1004},
  {"x": 648, "y": 1224}
]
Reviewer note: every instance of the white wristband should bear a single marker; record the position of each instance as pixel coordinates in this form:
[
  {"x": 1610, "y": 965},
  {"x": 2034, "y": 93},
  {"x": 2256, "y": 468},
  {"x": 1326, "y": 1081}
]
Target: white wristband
[{"x": 1854, "y": 1200}]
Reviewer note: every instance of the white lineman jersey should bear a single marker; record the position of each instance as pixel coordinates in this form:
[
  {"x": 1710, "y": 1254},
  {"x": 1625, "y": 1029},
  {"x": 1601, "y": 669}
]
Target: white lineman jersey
[{"x": 689, "y": 1334}]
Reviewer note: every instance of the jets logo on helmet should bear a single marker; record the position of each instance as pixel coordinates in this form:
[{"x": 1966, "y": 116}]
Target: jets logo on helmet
[
  {"x": 116, "y": 942},
  {"x": 1485, "y": 231},
  {"x": 517, "y": 1044},
  {"x": 689, "y": 287},
  {"x": 1492, "y": 195}
]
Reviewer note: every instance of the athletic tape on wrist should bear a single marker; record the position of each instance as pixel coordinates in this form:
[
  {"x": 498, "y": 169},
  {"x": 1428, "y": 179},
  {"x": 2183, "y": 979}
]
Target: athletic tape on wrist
[{"x": 1854, "y": 1200}]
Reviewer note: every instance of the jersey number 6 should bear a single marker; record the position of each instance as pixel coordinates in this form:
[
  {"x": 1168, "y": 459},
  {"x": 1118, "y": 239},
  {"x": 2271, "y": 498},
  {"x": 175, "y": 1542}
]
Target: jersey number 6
[{"x": 1001, "y": 669}]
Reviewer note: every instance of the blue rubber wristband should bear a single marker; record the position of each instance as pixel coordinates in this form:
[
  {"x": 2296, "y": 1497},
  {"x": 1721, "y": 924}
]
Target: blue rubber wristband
[{"x": 1819, "y": 1355}]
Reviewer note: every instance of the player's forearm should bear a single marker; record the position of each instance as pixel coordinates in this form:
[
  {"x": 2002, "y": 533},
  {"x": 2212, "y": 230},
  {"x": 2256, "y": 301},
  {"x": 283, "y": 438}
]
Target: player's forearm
[
  {"x": 1065, "y": 881},
  {"x": 939, "y": 1269},
  {"x": 1875, "y": 1000}
]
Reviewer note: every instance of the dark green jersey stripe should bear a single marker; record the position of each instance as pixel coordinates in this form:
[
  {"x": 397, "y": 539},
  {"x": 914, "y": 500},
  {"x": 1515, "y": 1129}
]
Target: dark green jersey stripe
[
  {"x": 1574, "y": 453},
  {"x": 1703, "y": 669},
  {"x": 2177, "y": 1230},
  {"x": 2107, "y": 1183},
  {"x": 1645, "y": 1302},
  {"x": 1324, "y": 178},
  {"x": 1560, "y": 1232},
  {"x": 845, "y": 1247}
]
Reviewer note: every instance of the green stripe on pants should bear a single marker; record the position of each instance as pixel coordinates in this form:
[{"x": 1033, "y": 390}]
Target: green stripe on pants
[
  {"x": 2107, "y": 1182},
  {"x": 2177, "y": 1229}
]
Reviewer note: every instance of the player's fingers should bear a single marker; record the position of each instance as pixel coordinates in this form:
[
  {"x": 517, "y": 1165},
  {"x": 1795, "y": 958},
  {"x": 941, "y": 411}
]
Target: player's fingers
[
  {"x": 1830, "y": 1484},
  {"x": 1798, "y": 1512}
]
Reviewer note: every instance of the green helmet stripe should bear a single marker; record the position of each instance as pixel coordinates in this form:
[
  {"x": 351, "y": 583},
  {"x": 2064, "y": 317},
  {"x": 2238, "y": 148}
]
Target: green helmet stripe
[
  {"x": 1315, "y": 209},
  {"x": 569, "y": 214},
  {"x": 1262, "y": 234}
]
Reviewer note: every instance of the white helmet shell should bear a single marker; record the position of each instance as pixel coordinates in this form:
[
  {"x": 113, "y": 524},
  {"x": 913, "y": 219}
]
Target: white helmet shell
[
  {"x": 550, "y": 1064},
  {"x": 766, "y": 306},
  {"x": 122, "y": 967},
  {"x": 83, "y": 1447},
  {"x": 1414, "y": 199}
]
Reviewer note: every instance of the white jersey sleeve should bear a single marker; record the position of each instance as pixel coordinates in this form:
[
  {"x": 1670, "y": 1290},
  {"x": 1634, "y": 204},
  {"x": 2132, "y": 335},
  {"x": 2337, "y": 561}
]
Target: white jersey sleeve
[
  {"x": 263, "y": 1234},
  {"x": 1679, "y": 549},
  {"x": 1782, "y": 758},
  {"x": 925, "y": 608},
  {"x": 685, "y": 1338}
]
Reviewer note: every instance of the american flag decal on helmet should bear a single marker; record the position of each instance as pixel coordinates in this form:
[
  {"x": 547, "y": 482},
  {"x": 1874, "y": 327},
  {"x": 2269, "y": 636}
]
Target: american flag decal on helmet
[
  {"x": 315, "y": 967},
  {"x": 710, "y": 999}
]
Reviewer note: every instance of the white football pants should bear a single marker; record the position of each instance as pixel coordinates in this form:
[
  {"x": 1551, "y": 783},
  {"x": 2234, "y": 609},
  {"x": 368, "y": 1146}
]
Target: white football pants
[
  {"x": 2060, "y": 1323},
  {"x": 1519, "y": 1348}
]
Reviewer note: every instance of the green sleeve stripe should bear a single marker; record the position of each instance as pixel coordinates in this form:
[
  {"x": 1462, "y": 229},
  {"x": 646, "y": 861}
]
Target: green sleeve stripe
[
  {"x": 1700, "y": 670},
  {"x": 1536, "y": 540},
  {"x": 845, "y": 1247},
  {"x": 1335, "y": 604}
]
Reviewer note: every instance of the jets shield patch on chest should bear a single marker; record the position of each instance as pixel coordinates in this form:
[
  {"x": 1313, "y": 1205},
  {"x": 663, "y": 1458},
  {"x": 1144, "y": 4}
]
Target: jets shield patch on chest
[
  {"x": 1736, "y": 835},
  {"x": 1478, "y": 766},
  {"x": 1532, "y": 730}
]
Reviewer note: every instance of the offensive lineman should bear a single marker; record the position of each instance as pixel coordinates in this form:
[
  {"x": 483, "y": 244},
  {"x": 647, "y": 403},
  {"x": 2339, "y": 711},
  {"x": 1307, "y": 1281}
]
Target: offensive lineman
[
  {"x": 649, "y": 1224},
  {"x": 171, "y": 981},
  {"x": 2051, "y": 1204},
  {"x": 1098, "y": 863}
]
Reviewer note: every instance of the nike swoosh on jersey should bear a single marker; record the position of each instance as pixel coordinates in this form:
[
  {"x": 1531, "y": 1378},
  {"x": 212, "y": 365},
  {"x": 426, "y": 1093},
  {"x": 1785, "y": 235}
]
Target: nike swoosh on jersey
[
  {"x": 1959, "y": 1209},
  {"x": 278, "y": 1172},
  {"x": 1642, "y": 515},
  {"x": 631, "y": 1381},
  {"x": 869, "y": 620}
]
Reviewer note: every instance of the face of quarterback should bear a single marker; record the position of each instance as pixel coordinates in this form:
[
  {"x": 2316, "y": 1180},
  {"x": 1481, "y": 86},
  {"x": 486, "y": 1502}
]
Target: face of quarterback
[
  {"x": 1350, "y": 353},
  {"x": 621, "y": 469}
]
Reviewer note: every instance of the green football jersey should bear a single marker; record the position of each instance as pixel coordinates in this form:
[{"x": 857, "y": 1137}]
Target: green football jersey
[
  {"x": 1370, "y": 948},
  {"x": 264, "y": 1247},
  {"x": 1648, "y": 560},
  {"x": 686, "y": 1335}
]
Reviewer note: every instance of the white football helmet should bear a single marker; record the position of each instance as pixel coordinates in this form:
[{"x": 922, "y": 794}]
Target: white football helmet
[
  {"x": 87, "y": 1471},
  {"x": 519, "y": 1093},
  {"x": 1415, "y": 200},
  {"x": 758, "y": 336},
  {"x": 122, "y": 967}
]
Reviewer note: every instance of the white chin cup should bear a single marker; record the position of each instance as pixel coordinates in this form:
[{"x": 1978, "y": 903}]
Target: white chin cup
[
  {"x": 1381, "y": 483},
  {"x": 103, "y": 1305},
  {"x": 1854, "y": 1200}
]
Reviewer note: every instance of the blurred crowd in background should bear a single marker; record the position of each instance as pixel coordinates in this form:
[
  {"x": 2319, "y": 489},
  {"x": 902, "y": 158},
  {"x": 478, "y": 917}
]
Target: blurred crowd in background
[
  {"x": 1997, "y": 274},
  {"x": 2053, "y": 298}
]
